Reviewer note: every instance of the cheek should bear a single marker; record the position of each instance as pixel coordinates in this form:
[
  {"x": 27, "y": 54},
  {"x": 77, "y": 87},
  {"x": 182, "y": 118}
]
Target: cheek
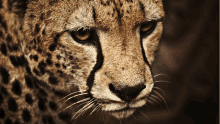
[
  {"x": 151, "y": 42},
  {"x": 75, "y": 60}
]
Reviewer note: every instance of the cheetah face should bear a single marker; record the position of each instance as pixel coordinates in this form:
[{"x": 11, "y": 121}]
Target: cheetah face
[{"x": 106, "y": 48}]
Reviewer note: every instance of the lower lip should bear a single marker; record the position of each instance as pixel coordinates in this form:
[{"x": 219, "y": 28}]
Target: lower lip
[{"x": 124, "y": 113}]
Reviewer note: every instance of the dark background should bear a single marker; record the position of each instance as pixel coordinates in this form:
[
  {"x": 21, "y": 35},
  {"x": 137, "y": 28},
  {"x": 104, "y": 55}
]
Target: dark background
[{"x": 189, "y": 55}]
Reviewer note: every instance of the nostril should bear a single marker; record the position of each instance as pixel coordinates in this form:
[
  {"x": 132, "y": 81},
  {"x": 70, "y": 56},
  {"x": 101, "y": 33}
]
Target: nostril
[{"x": 112, "y": 88}]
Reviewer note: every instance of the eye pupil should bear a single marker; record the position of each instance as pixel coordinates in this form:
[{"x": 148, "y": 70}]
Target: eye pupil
[{"x": 82, "y": 32}]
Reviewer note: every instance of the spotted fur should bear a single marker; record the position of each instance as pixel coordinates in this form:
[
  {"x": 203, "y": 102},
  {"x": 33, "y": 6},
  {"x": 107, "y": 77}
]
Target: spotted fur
[{"x": 41, "y": 63}]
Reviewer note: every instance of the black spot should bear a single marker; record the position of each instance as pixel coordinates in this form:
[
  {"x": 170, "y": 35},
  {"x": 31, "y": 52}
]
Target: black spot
[
  {"x": 49, "y": 62},
  {"x": 42, "y": 16},
  {"x": 52, "y": 47},
  {"x": 51, "y": 2},
  {"x": 32, "y": 15},
  {"x": 4, "y": 25},
  {"x": 44, "y": 120},
  {"x": 17, "y": 61},
  {"x": 71, "y": 57},
  {"x": 37, "y": 28},
  {"x": 50, "y": 120},
  {"x": 1, "y": 99},
  {"x": 94, "y": 14},
  {"x": 57, "y": 65},
  {"x": 8, "y": 121},
  {"x": 39, "y": 50},
  {"x": 21, "y": 60},
  {"x": 42, "y": 65},
  {"x": 53, "y": 80},
  {"x": 28, "y": 99},
  {"x": 31, "y": 57},
  {"x": 14, "y": 47},
  {"x": 16, "y": 88},
  {"x": 35, "y": 58},
  {"x": 28, "y": 70},
  {"x": 2, "y": 113},
  {"x": 4, "y": 91},
  {"x": 142, "y": 8},
  {"x": 9, "y": 38},
  {"x": 26, "y": 116},
  {"x": 5, "y": 75},
  {"x": 60, "y": 93},
  {"x": 56, "y": 38},
  {"x": 3, "y": 49},
  {"x": 72, "y": 71},
  {"x": 43, "y": 32},
  {"x": 41, "y": 104},
  {"x": 53, "y": 105},
  {"x": 58, "y": 56},
  {"x": 59, "y": 71},
  {"x": 1, "y": 34},
  {"x": 16, "y": 122},
  {"x": 28, "y": 82},
  {"x": 63, "y": 66},
  {"x": 64, "y": 116},
  {"x": 20, "y": 27},
  {"x": 38, "y": 39},
  {"x": 36, "y": 71},
  {"x": 13, "y": 60},
  {"x": 49, "y": 55},
  {"x": 1, "y": 4},
  {"x": 12, "y": 105},
  {"x": 42, "y": 92}
]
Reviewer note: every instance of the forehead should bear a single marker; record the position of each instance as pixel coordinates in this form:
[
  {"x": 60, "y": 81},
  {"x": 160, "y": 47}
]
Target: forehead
[{"x": 106, "y": 14}]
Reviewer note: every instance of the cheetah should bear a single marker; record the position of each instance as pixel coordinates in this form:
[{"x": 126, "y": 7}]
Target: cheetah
[{"x": 61, "y": 58}]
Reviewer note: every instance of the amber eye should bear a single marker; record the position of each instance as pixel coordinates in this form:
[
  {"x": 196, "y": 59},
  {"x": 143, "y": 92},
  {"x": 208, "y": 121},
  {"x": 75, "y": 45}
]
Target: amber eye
[
  {"x": 148, "y": 27},
  {"x": 81, "y": 34}
]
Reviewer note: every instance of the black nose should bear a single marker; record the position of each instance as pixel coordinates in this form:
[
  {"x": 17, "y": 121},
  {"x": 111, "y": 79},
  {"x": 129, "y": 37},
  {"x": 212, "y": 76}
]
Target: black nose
[{"x": 127, "y": 93}]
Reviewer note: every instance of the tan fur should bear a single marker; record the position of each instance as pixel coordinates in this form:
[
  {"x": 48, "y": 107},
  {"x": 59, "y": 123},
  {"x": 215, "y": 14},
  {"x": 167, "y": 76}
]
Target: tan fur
[{"x": 57, "y": 65}]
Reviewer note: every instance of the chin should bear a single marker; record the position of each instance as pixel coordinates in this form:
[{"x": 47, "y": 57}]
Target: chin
[{"x": 123, "y": 113}]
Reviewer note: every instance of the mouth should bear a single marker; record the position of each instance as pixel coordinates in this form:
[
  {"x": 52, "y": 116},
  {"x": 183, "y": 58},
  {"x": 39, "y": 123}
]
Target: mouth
[{"x": 121, "y": 110}]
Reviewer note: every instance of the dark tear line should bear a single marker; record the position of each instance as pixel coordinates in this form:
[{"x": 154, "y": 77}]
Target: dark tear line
[
  {"x": 145, "y": 57},
  {"x": 97, "y": 66}
]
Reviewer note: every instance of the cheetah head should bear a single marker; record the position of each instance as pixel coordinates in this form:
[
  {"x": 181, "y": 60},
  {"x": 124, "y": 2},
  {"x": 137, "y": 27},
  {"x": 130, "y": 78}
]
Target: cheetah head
[{"x": 103, "y": 47}]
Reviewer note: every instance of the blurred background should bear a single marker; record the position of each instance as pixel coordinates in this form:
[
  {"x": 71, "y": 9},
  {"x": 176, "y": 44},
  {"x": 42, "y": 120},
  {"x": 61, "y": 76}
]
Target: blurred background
[{"x": 189, "y": 55}]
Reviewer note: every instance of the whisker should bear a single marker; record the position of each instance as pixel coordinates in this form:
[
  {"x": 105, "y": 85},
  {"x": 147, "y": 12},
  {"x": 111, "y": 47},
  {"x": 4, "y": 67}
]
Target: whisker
[
  {"x": 162, "y": 81},
  {"x": 160, "y": 75},
  {"x": 134, "y": 117},
  {"x": 106, "y": 120},
  {"x": 83, "y": 100},
  {"x": 95, "y": 108},
  {"x": 152, "y": 103},
  {"x": 82, "y": 109},
  {"x": 155, "y": 101},
  {"x": 160, "y": 90},
  {"x": 156, "y": 97},
  {"x": 147, "y": 106},
  {"x": 70, "y": 98},
  {"x": 120, "y": 121},
  {"x": 163, "y": 100},
  {"x": 91, "y": 104},
  {"x": 71, "y": 94},
  {"x": 143, "y": 114}
]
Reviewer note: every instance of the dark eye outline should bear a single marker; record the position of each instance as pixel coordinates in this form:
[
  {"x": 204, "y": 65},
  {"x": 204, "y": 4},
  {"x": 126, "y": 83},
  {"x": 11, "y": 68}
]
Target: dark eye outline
[
  {"x": 150, "y": 30},
  {"x": 75, "y": 33}
]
